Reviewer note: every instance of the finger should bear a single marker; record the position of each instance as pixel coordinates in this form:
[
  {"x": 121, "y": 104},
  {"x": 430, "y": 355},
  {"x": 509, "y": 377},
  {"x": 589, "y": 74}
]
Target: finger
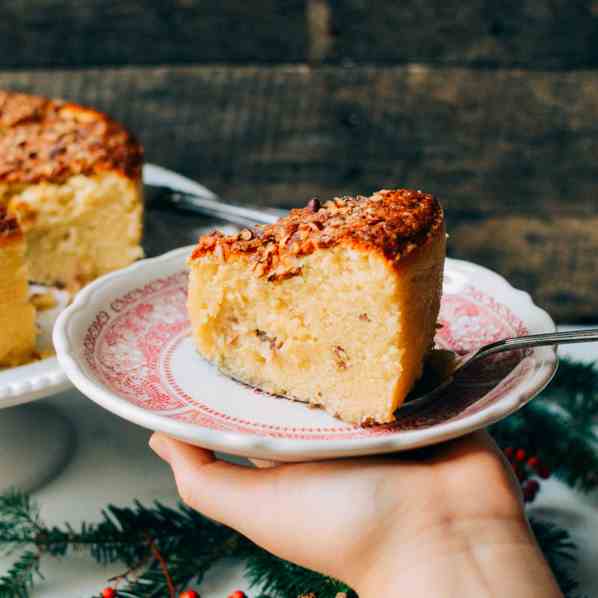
[
  {"x": 473, "y": 443},
  {"x": 263, "y": 463},
  {"x": 222, "y": 491},
  {"x": 162, "y": 444},
  {"x": 470, "y": 445}
]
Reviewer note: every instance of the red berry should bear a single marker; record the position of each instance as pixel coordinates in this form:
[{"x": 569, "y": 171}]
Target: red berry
[
  {"x": 519, "y": 473},
  {"x": 509, "y": 452},
  {"x": 543, "y": 472},
  {"x": 530, "y": 489},
  {"x": 189, "y": 594},
  {"x": 519, "y": 455},
  {"x": 533, "y": 485},
  {"x": 237, "y": 594},
  {"x": 108, "y": 593}
]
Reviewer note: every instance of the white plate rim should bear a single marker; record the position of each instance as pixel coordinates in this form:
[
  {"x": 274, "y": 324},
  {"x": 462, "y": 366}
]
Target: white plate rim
[
  {"x": 284, "y": 449},
  {"x": 44, "y": 378}
]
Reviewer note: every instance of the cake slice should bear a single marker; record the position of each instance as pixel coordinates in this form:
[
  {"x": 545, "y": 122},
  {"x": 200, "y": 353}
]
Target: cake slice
[
  {"x": 72, "y": 176},
  {"x": 17, "y": 315},
  {"x": 334, "y": 305}
]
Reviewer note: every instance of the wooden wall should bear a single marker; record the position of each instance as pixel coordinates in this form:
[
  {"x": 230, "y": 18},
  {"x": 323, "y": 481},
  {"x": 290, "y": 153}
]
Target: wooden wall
[{"x": 493, "y": 105}]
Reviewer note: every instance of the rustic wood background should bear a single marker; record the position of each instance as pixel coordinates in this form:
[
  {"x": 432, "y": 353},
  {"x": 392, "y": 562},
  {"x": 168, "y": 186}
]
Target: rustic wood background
[{"x": 491, "y": 104}]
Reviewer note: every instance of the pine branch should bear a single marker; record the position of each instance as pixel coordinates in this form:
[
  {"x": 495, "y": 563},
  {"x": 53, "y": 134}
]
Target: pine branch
[
  {"x": 565, "y": 448},
  {"x": 558, "y": 426},
  {"x": 19, "y": 579},
  {"x": 575, "y": 388},
  {"x": 19, "y": 520},
  {"x": 282, "y": 579},
  {"x": 559, "y": 551}
]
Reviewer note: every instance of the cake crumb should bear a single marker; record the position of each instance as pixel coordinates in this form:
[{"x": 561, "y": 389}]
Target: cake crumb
[
  {"x": 341, "y": 357},
  {"x": 285, "y": 275},
  {"x": 272, "y": 340},
  {"x": 43, "y": 301}
]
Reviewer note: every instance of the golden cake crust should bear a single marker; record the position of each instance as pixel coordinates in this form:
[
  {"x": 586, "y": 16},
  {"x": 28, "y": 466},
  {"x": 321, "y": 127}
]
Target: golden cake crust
[
  {"x": 45, "y": 140},
  {"x": 9, "y": 228},
  {"x": 392, "y": 222}
]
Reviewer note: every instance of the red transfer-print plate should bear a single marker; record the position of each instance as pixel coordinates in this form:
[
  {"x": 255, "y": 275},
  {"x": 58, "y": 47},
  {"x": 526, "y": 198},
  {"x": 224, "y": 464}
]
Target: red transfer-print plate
[{"x": 125, "y": 343}]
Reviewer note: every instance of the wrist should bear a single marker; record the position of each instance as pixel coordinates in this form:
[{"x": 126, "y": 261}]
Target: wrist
[{"x": 488, "y": 557}]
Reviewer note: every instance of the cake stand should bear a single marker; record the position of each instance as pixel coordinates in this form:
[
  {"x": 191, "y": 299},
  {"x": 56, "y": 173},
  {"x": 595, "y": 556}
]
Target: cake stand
[{"x": 36, "y": 441}]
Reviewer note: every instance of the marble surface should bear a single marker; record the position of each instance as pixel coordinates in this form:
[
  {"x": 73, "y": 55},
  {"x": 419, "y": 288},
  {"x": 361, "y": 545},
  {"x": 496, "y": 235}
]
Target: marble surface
[{"x": 110, "y": 462}]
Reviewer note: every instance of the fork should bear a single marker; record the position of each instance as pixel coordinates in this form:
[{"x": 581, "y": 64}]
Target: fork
[
  {"x": 165, "y": 197},
  {"x": 508, "y": 344}
]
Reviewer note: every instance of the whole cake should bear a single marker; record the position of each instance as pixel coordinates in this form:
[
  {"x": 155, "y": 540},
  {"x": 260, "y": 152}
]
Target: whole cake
[
  {"x": 72, "y": 177},
  {"x": 334, "y": 305},
  {"x": 17, "y": 315}
]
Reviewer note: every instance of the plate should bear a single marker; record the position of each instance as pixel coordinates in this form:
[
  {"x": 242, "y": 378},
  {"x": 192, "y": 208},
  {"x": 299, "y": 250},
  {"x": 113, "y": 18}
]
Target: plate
[
  {"x": 44, "y": 378},
  {"x": 125, "y": 343},
  {"x": 40, "y": 378}
]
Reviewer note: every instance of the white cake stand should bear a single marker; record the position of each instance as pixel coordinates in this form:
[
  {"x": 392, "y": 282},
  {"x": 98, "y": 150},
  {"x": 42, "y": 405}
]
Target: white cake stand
[
  {"x": 36, "y": 441},
  {"x": 35, "y": 444}
]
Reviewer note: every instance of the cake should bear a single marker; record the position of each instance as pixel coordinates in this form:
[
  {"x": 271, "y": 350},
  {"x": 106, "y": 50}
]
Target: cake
[
  {"x": 72, "y": 177},
  {"x": 17, "y": 315},
  {"x": 334, "y": 305}
]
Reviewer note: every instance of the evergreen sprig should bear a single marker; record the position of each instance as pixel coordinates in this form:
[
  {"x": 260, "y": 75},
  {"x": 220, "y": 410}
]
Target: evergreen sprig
[
  {"x": 143, "y": 539},
  {"x": 19, "y": 579},
  {"x": 277, "y": 577},
  {"x": 558, "y": 425},
  {"x": 559, "y": 551},
  {"x": 164, "y": 549}
]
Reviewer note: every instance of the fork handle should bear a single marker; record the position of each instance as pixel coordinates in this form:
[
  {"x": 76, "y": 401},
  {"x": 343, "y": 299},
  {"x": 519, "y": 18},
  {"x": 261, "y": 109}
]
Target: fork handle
[
  {"x": 540, "y": 340},
  {"x": 245, "y": 216}
]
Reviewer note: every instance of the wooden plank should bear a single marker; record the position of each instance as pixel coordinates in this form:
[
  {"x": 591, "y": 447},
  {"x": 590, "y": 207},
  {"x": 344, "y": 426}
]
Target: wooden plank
[
  {"x": 532, "y": 33},
  {"x": 553, "y": 258},
  {"x": 510, "y": 152},
  {"x": 87, "y": 32}
]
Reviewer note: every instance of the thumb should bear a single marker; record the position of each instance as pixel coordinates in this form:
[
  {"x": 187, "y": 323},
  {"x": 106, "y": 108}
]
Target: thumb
[{"x": 222, "y": 491}]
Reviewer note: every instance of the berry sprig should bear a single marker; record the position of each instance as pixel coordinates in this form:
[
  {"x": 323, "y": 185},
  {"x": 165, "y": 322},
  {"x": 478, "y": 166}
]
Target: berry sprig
[{"x": 527, "y": 469}]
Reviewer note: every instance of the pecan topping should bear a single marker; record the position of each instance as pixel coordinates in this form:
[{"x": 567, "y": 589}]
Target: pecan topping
[
  {"x": 45, "y": 140},
  {"x": 394, "y": 223},
  {"x": 314, "y": 204},
  {"x": 285, "y": 275},
  {"x": 9, "y": 227}
]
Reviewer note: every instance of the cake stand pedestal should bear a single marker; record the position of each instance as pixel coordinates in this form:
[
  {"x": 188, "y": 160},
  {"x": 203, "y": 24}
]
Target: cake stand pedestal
[{"x": 35, "y": 444}]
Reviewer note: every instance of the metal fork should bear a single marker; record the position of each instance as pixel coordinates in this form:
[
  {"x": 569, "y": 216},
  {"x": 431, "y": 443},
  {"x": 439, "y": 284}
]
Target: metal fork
[
  {"x": 165, "y": 197},
  {"x": 508, "y": 344}
]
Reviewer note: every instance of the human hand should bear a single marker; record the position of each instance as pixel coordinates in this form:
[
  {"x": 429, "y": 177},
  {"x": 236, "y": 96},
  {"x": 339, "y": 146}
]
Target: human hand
[{"x": 444, "y": 521}]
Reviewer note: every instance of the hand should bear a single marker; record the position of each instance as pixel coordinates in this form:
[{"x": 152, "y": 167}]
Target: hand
[{"x": 444, "y": 521}]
